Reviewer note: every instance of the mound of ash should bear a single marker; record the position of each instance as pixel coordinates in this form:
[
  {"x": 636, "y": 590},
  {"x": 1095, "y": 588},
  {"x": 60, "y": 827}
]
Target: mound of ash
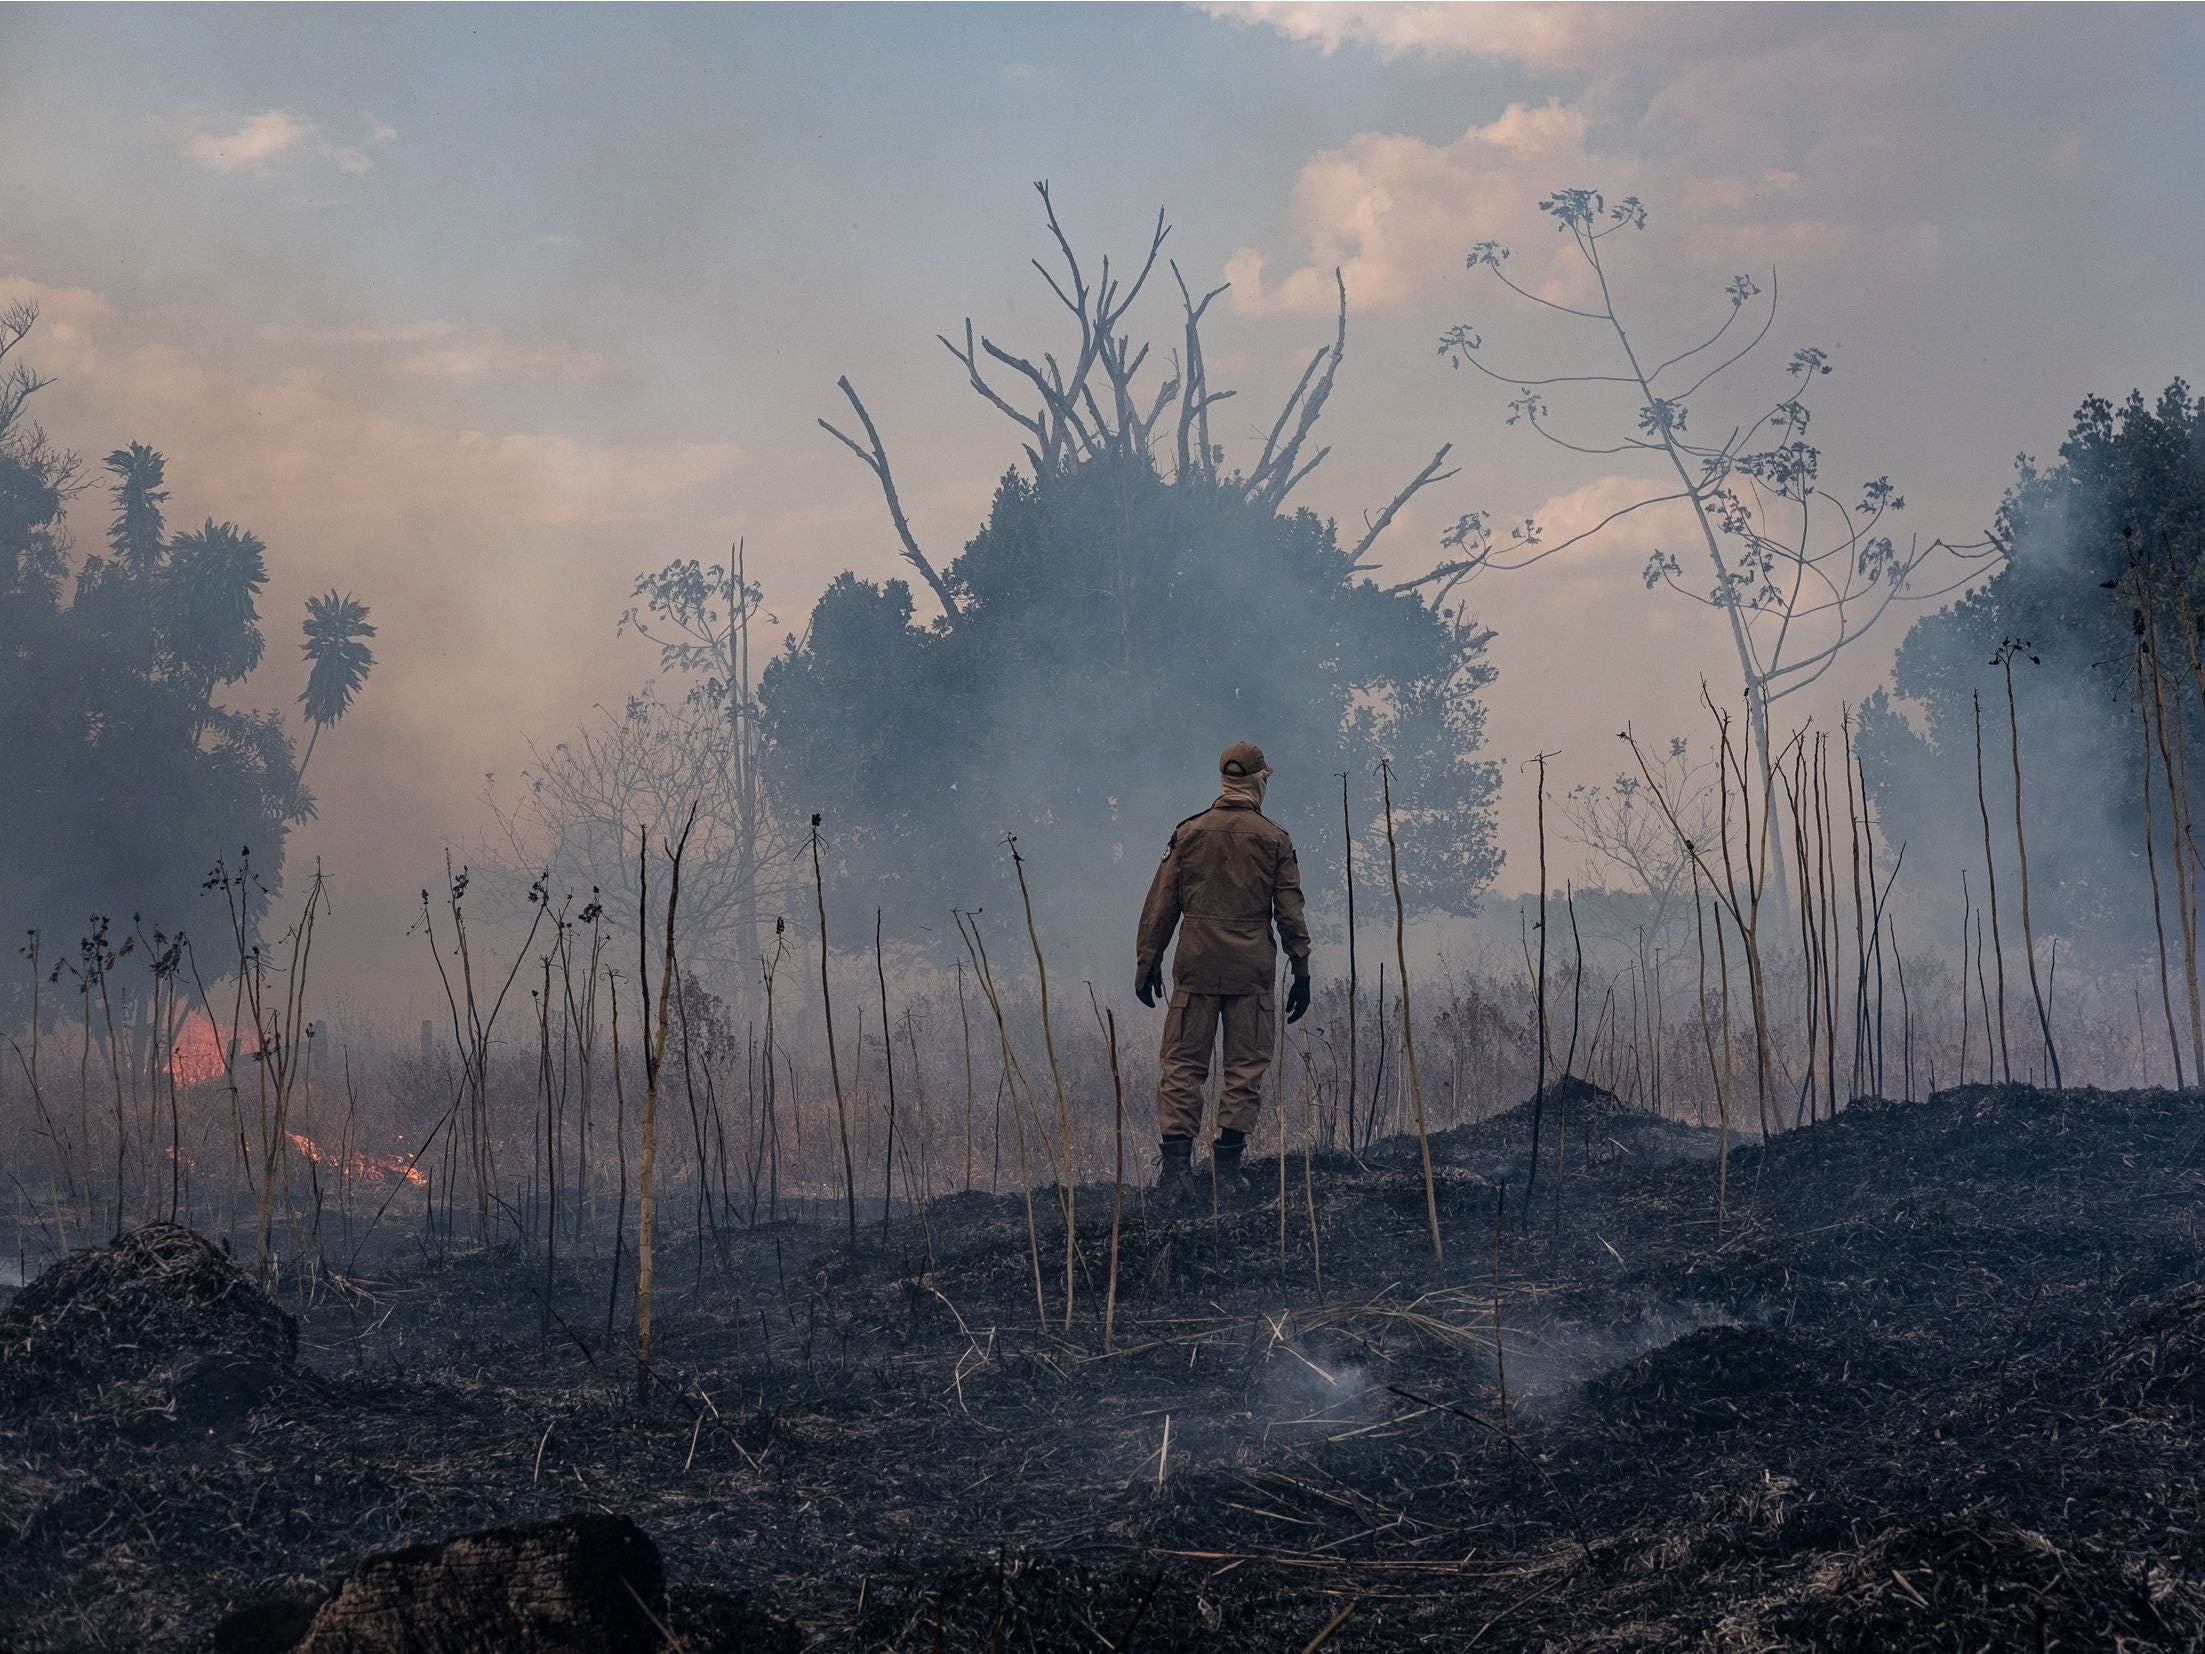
[
  {"x": 1581, "y": 1104},
  {"x": 1580, "y": 1113},
  {"x": 162, "y": 1311},
  {"x": 1723, "y": 1377},
  {"x": 579, "y": 1584}
]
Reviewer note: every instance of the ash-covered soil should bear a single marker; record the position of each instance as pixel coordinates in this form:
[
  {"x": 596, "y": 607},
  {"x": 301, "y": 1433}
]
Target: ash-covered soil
[{"x": 1933, "y": 1382}]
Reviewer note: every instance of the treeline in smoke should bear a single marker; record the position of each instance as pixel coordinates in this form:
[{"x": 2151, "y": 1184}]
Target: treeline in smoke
[{"x": 127, "y": 775}]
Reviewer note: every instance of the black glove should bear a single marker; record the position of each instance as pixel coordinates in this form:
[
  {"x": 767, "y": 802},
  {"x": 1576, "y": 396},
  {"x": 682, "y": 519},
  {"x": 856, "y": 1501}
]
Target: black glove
[
  {"x": 1150, "y": 985},
  {"x": 1297, "y": 999}
]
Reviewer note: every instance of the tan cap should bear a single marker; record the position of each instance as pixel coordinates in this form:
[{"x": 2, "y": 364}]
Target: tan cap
[{"x": 1242, "y": 758}]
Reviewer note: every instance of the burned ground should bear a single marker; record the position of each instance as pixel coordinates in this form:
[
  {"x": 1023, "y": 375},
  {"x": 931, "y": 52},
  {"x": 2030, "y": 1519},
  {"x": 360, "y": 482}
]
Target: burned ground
[{"x": 1932, "y": 1382}]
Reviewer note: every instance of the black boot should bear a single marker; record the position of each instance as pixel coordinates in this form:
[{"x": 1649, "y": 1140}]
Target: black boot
[
  {"x": 1230, "y": 1182},
  {"x": 1175, "y": 1191}
]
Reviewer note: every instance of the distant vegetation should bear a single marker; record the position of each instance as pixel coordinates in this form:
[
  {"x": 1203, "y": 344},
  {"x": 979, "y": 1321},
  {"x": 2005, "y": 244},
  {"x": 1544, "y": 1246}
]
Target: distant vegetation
[
  {"x": 127, "y": 776},
  {"x": 2111, "y": 533},
  {"x": 1134, "y": 603}
]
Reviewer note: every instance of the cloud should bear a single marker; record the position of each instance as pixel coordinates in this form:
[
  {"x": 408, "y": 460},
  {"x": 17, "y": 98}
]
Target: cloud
[
  {"x": 391, "y": 333},
  {"x": 1395, "y": 30},
  {"x": 1395, "y": 214},
  {"x": 1859, "y": 142},
  {"x": 254, "y": 144},
  {"x": 451, "y": 351},
  {"x": 1612, "y": 533},
  {"x": 299, "y": 446},
  {"x": 271, "y": 142},
  {"x": 1590, "y": 560},
  {"x": 489, "y": 355},
  {"x": 1590, "y": 39},
  {"x": 68, "y": 319}
]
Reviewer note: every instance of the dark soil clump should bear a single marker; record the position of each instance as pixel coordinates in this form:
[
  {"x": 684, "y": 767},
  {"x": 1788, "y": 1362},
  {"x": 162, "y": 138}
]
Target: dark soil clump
[
  {"x": 578, "y": 1584},
  {"x": 161, "y": 1303}
]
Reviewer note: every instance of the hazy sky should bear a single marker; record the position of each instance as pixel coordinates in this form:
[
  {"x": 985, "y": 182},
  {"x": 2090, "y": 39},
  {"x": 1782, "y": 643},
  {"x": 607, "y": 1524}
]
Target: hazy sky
[{"x": 478, "y": 312}]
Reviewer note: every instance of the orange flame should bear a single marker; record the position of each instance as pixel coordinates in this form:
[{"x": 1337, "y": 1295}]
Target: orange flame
[
  {"x": 196, "y": 1052},
  {"x": 359, "y": 1165}
]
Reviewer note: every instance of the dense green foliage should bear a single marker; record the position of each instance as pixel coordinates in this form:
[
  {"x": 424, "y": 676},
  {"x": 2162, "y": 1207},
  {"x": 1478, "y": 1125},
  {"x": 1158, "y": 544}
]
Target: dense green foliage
[{"x": 1117, "y": 631}]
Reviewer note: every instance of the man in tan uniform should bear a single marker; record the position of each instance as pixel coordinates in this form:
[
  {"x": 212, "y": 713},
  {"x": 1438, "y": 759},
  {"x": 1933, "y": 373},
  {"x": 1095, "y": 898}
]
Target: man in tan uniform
[{"x": 1227, "y": 876}]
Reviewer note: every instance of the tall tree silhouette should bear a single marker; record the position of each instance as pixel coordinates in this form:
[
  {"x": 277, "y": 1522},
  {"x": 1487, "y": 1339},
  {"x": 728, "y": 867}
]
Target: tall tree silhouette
[
  {"x": 130, "y": 771},
  {"x": 1136, "y": 600},
  {"x": 337, "y": 630}
]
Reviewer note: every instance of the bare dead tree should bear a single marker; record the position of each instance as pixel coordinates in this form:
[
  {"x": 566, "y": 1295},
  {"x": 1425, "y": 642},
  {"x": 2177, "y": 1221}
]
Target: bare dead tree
[
  {"x": 1539, "y": 994},
  {"x": 1099, "y": 398},
  {"x": 1990, "y": 870},
  {"x": 2151, "y": 865},
  {"x": 1749, "y": 856},
  {"x": 582, "y": 800},
  {"x": 654, "y": 1063},
  {"x": 2008, "y": 649},
  {"x": 1799, "y": 574},
  {"x": 1408, "y": 1027},
  {"x": 1623, "y": 838},
  {"x": 1630, "y": 848},
  {"x": 700, "y": 615}
]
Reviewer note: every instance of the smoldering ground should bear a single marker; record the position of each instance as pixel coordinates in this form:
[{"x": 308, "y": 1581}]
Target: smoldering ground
[{"x": 1822, "y": 1417}]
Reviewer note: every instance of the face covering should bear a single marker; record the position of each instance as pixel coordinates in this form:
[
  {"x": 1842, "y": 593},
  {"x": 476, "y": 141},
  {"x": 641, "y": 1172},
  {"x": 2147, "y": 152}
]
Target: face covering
[{"x": 1243, "y": 789}]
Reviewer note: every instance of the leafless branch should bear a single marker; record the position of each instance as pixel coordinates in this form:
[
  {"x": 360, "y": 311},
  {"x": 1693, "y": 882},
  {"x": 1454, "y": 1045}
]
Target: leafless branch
[
  {"x": 1194, "y": 382},
  {"x": 970, "y": 358},
  {"x": 1743, "y": 351},
  {"x": 1286, "y": 410},
  {"x": 1716, "y": 337},
  {"x": 1274, "y": 479},
  {"x": 1384, "y": 520},
  {"x": 876, "y": 460},
  {"x": 1484, "y": 560},
  {"x": 1551, "y": 304}
]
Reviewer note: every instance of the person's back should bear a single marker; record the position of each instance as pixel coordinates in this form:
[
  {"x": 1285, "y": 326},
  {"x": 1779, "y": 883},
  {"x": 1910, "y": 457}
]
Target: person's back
[
  {"x": 1229, "y": 864},
  {"x": 1227, "y": 875}
]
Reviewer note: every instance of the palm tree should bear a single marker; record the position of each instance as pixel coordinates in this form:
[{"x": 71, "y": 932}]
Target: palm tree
[
  {"x": 335, "y": 628},
  {"x": 214, "y": 574},
  {"x": 136, "y": 533}
]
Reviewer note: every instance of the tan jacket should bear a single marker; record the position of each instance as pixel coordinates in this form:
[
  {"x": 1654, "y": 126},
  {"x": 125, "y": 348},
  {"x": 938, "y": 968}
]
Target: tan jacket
[{"x": 1228, "y": 873}]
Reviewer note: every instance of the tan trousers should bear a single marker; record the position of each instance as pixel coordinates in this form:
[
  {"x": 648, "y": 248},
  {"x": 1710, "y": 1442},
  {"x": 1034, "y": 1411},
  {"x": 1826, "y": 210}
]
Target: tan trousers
[{"x": 1190, "y": 1030}]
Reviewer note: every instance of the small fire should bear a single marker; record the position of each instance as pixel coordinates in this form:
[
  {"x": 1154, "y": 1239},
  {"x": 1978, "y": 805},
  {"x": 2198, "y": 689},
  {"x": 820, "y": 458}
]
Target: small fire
[
  {"x": 195, "y": 1054},
  {"x": 356, "y": 1164}
]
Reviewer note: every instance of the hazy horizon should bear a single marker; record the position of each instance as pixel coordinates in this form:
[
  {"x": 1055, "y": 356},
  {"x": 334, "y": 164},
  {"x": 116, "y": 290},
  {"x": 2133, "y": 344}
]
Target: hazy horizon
[{"x": 478, "y": 313}]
